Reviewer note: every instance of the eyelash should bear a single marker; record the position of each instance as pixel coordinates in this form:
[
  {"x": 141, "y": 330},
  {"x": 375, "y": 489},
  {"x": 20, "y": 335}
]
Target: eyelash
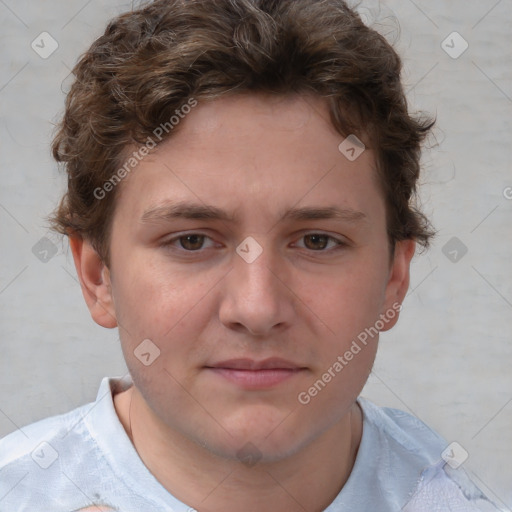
[{"x": 339, "y": 244}]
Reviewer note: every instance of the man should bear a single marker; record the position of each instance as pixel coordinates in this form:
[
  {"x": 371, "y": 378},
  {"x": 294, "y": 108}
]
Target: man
[{"x": 241, "y": 178}]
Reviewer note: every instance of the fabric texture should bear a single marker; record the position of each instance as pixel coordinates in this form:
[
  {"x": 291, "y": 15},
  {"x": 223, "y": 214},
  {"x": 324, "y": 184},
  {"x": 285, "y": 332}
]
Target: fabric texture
[{"x": 83, "y": 460}]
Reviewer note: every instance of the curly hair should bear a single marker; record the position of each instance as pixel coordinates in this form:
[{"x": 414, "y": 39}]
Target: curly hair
[{"x": 151, "y": 61}]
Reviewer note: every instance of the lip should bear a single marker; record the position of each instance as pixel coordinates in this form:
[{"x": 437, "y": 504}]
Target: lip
[
  {"x": 272, "y": 363},
  {"x": 251, "y": 374}
]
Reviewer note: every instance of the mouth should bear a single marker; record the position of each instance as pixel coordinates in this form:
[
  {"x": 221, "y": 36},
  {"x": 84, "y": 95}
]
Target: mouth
[{"x": 251, "y": 374}]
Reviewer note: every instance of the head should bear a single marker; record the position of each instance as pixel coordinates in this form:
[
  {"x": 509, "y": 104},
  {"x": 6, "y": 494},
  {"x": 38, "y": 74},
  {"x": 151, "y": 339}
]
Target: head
[{"x": 214, "y": 122}]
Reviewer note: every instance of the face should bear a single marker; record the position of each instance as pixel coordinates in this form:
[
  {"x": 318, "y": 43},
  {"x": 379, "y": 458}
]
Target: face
[{"x": 252, "y": 254}]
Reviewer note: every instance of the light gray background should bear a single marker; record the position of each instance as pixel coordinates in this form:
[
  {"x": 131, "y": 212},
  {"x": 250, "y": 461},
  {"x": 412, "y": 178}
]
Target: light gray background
[{"x": 448, "y": 360}]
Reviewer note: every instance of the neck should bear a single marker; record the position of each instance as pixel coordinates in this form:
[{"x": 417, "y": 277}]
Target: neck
[{"x": 309, "y": 480}]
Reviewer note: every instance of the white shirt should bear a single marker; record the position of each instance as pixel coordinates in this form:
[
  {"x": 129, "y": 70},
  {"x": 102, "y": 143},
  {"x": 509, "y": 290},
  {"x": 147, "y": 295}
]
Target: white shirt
[{"x": 84, "y": 458}]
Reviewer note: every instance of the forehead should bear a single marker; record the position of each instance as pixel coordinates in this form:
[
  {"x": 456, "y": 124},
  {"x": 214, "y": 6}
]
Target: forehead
[{"x": 267, "y": 153}]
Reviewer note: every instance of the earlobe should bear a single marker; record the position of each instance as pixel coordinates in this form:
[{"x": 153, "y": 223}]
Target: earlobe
[
  {"x": 398, "y": 282},
  {"x": 94, "y": 277}
]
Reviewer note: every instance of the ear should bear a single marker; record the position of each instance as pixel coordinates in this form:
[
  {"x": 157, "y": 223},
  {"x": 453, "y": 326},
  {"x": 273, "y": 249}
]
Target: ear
[
  {"x": 95, "y": 282},
  {"x": 398, "y": 282}
]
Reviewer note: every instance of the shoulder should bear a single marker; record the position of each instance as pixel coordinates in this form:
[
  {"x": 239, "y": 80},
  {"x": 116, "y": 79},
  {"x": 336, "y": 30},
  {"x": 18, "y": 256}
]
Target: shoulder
[
  {"x": 35, "y": 458},
  {"x": 43, "y": 465},
  {"x": 38, "y": 440},
  {"x": 404, "y": 434},
  {"x": 411, "y": 448},
  {"x": 443, "y": 488}
]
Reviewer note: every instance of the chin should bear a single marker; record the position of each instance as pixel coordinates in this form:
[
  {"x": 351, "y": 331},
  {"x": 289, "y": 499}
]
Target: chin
[
  {"x": 254, "y": 441},
  {"x": 250, "y": 451}
]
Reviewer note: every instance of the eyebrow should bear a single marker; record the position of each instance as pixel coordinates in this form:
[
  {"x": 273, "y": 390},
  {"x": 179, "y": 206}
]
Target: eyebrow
[{"x": 187, "y": 210}]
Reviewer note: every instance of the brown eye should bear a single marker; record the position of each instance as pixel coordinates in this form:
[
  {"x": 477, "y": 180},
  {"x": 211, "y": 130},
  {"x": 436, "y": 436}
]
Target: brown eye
[
  {"x": 321, "y": 243},
  {"x": 316, "y": 242},
  {"x": 192, "y": 242},
  {"x": 189, "y": 242}
]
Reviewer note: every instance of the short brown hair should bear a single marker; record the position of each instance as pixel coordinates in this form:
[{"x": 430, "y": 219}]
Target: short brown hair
[{"x": 150, "y": 61}]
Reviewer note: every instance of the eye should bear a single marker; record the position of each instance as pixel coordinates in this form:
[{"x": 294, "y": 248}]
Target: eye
[
  {"x": 320, "y": 241},
  {"x": 189, "y": 242},
  {"x": 195, "y": 242}
]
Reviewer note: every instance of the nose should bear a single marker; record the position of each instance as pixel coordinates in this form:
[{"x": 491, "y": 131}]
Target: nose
[{"x": 255, "y": 296}]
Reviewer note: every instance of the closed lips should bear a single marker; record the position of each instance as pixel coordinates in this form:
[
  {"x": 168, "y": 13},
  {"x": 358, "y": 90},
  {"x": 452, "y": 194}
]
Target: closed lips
[{"x": 252, "y": 365}]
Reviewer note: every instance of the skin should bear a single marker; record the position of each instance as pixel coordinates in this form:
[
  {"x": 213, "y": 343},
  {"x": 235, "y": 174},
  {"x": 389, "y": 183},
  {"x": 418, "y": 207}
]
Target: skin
[
  {"x": 303, "y": 299},
  {"x": 96, "y": 509}
]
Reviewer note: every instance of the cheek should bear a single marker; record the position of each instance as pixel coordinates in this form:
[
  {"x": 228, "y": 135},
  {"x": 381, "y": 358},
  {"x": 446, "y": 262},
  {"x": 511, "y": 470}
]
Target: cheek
[
  {"x": 331, "y": 391},
  {"x": 161, "y": 313},
  {"x": 348, "y": 300},
  {"x": 154, "y": 299}
]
